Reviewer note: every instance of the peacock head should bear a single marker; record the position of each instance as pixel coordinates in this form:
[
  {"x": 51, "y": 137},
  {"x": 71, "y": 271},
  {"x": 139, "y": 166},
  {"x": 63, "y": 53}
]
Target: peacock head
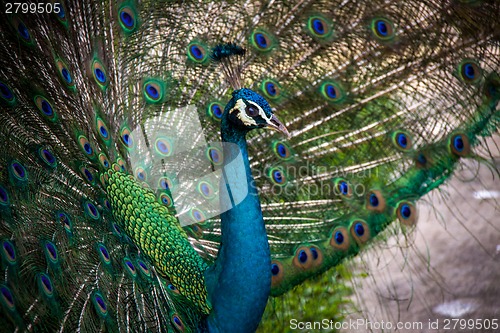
[{"x": 248, "y": 110}]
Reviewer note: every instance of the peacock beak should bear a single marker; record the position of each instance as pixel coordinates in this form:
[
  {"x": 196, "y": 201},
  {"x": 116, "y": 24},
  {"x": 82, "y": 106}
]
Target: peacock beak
[{"x": 277, "y": 125}]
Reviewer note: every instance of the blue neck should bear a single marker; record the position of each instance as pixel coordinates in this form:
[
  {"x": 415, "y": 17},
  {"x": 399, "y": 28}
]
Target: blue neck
[{"x": 239, "y": 283}]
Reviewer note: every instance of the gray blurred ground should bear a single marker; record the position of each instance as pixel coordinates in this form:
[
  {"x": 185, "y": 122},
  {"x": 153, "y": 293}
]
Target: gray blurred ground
[{"x": 449, "y": 266}]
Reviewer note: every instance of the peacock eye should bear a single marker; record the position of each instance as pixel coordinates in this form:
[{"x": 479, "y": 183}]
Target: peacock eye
[{"x": 252, "y": 110}]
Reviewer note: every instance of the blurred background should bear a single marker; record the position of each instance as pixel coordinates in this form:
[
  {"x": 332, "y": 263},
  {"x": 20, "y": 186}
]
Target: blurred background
[{"x": 448, "y": 267}]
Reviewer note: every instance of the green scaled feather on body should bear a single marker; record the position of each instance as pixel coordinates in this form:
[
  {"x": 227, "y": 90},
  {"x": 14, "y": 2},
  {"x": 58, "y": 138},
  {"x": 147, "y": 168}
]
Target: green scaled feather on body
[{"x": 159, "y": 236}]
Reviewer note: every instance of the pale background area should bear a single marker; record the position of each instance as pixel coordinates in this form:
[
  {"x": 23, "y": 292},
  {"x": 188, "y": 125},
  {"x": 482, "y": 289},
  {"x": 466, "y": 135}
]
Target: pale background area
[{"x": 450, "y": 267}]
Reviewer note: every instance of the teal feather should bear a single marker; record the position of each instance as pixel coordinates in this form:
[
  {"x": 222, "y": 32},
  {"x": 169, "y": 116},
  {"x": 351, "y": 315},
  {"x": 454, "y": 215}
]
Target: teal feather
[{"x": 121, "y": 210}]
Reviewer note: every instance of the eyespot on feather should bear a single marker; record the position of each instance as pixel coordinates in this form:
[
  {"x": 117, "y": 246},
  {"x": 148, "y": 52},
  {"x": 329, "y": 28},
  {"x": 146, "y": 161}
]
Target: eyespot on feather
[
  {"x": 65, "y": 75},
  {"x": 340, "y": 238},
  {"x": 332, "y": 92},
  {"x": 24, "y": 34},
  {"x": 172, "y": 288},
  {"x": 342, "y": 187},
  {"x": 197, "y": 230},
  {"x": 407, "y": 213},
  {"x": 7, "y": 95},
  {"x": 197, "y": 215},
  {"x": 128, "y": 19},
  {"x": 402, "y": 141},
  {"x": 277, "y": 273},
  {"x": 271, "y": 89},
  {"x": 18, "y": 172},
  {"x": 99, "y": 74},
  {"x": 316, "y": 255},
  {"x": 215, "y": 155},
  {"x": 164, "y": 183},
  {"x": 459, "y": 145},
  {"x": 4, "y": 196},
  {"x": 127, "y": 138},
  {"x": 6, "y": 298},
  {"x": 45, "y": 108},
  {"x": 45, "y": 285},
  {"x": 382, "y": 29},
  {"x": 121, "y": 164},
  {"x": 46, "y": 156},
  {"x": 166, "y": 200},
  {"x": 491, "y": 88},
  {"x": 102, "y": 130},
  {"x": 303, "y": 258},
  {"x": 277, "y": 176},
  {"x": 61, "y": 15},
  {"x": 99, "y": 304},
  {"x": 178, "y": 323},
  {"x": 129, "y": 267},
  {"x": 423, "y": 160},
  {"x": 51, "y": 252},
  {"x": 215, "y": 110},
  {"x": 282, "y": 150},
  {"x": 469, "y": 71},
  {"x": 65, "y": 220},
  {"x": 91, "y": 210},
  {"x": 360, "y": 231},
  {"x": 9, "y": 252},
  {"x": 143, "y": 268},
  {"x": 87, "y": 174},
  {"x": 375, "y": 201},
  {"x": 104, "y": 161},
  {"x": 206, "y": 189},
  {"x": 262, "y": 41},
  {"x": 197, "y": 52},
  {"x": 154, "y": 91},
  {"x": 141, "y": 174},
  {"x": 319, "y": 27},
  {"x": 163, "y": 146},
  {"x": 86, "y": 146}
]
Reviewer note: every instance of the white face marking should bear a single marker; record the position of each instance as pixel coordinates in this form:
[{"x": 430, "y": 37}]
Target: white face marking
[{"x": 242, "y": 115}]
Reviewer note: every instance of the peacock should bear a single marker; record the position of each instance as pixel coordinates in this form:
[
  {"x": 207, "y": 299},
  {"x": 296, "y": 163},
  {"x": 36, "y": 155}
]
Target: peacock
[{"x": 169, "y": 165}]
